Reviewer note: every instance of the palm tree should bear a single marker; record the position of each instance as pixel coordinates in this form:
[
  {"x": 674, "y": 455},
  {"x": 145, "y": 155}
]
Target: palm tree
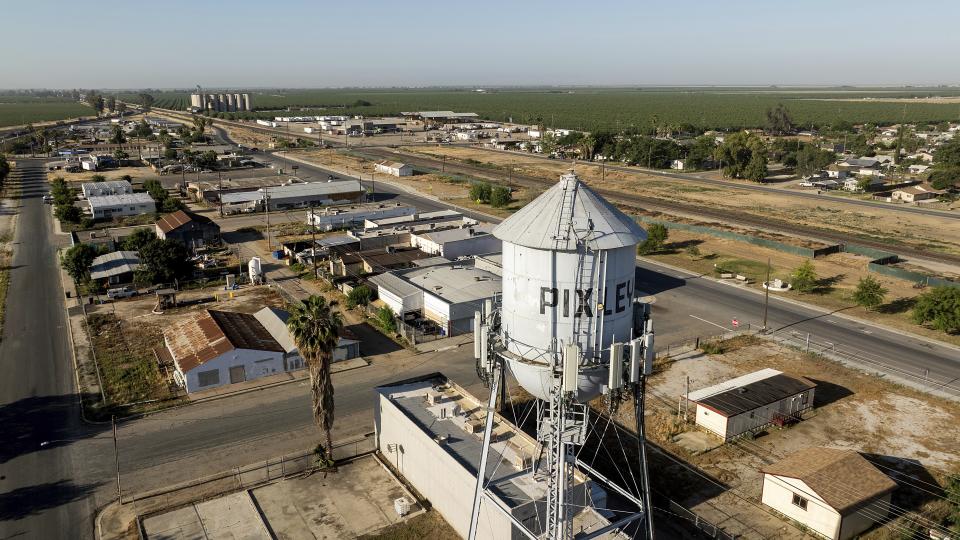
[{"x": 316, "y": 328}]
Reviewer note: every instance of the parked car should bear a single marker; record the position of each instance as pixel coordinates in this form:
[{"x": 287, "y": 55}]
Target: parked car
[
  {"x": 121, "y": 292},
  {"x": 48, "y": 199}
]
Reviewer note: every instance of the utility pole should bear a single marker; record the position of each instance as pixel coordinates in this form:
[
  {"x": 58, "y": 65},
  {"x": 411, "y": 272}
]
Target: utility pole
[
  {"x": 266, "y": 204},
  {"x": 220, "y": 193},
  {"x": 116, "y": 455},
  {"x": 311, "y": 220},
  {"x": 766, "y": 297}
]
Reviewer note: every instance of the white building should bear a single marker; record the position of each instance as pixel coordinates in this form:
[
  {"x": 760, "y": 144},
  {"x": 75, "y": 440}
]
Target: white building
[
  {"x": 836, "y": 493},
  {"x": 455, "y": 243},
  {"x": 453, "y": 293},
  {"x": 113, "y": 187},
  {"x": 214, "y": 348},
  {"x": 752, "y": 401},
  {"x": 128, "y": 204},
  {"x": 299, "y": 195},
  {"x": 430, "y": 430},
  {"x": 329, "y": 218},
  {"x": 853, "y": 183},
  {"x": 678, "y": 164},
  {"x": 398, "y": 294},
  {"x": 394, "y": 168}
]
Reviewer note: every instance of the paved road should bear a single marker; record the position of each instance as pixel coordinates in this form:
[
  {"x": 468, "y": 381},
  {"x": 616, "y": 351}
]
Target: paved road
[{"x": 44, "y": 491}]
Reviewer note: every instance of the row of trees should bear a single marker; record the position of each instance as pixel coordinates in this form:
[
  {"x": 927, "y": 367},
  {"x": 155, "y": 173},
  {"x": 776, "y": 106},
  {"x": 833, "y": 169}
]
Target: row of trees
[
  {"x": 161, "y": 197},
  {"x": 163, "y": 260},
  {"x": 938, "y": 307}
]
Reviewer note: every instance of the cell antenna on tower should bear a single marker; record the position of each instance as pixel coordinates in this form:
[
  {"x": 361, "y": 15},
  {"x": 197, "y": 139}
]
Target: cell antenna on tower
[{"x": 568, "y": 330}]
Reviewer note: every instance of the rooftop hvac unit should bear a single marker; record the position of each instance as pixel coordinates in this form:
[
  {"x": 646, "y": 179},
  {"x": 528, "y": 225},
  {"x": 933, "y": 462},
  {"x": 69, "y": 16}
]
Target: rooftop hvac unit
[
  {"x": 434, "y": 398},
  {"x": 402, "y": 506}
]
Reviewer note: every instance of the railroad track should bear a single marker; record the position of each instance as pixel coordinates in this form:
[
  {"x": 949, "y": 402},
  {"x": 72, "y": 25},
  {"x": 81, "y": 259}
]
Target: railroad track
[
  {"x": 629, "y": 199},
  {"x": 667, "y": 206}
]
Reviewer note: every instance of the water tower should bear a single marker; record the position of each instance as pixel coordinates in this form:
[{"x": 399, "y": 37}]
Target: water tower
[{"x": 568, "y": 329}]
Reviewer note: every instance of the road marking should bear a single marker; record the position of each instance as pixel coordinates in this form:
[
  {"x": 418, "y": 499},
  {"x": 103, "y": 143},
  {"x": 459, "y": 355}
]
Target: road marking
[{"x": 708, "y": 322}]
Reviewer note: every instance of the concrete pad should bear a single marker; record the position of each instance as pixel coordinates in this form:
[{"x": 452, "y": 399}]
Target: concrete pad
[
  {"x": 182, "y": 524},
  {"x": 356, "y": 500},
  {"x": 232, "y": 517},
  {"x": 697, "y": 442}
]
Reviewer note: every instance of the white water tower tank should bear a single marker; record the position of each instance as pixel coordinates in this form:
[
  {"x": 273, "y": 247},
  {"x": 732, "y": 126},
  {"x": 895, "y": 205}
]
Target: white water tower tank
[
  {"x": 253, "y": 267},
  {"x": 569, "y": 261}
]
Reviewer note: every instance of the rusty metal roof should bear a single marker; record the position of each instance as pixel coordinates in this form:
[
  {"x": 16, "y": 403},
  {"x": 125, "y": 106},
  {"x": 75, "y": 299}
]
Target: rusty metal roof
[
  {"x": 212, "y": 333},
  {"x": 178, "y": 219}
]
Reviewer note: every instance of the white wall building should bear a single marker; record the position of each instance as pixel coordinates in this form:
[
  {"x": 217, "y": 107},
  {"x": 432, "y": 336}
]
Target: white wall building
[
  {"x": 429, "y": 429},
  {"x": 394, "y": 168},
  {"x": 455, "y": 243},
  {"x": 749, "y": 402},
  {"x": 113, "y": 206},
  {"x": 214, "y": 348},
  {"x": 836, "y": 493},
  {"x": 329, "y": 218}
]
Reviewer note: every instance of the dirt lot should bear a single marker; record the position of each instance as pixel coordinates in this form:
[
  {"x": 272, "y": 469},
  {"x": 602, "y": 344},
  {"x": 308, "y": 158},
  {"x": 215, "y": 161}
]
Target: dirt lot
[
  {"x": 900, "y": 430},
  {"x": 927, "y": 232},
  {"x": 838, "y": 276},
  {"x": 138, "y": 174}
]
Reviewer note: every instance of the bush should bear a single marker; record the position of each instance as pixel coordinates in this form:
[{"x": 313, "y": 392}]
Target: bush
[
  {"x": 940, "y": 308},
  {"x": 657, "y": 235},
  {"x": 804, "y": 278},
  {"x": 480, "y": 192},
  {"x": 869, "y": 293},
  {"x": 68, "y": 213},
  {"x": 712, "y": 347},
  {"x": 360, "y": 296},
  {"x": 500, "y": 197},
  {"x": 386, "y": 320}
]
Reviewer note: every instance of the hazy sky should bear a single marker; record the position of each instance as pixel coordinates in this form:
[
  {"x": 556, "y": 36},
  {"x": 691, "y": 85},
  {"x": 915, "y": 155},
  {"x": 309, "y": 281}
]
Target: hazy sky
[{"x": 300, "y": 43}]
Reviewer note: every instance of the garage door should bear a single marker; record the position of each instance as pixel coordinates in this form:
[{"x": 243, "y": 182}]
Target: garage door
[{"x": 238, "y": 374}]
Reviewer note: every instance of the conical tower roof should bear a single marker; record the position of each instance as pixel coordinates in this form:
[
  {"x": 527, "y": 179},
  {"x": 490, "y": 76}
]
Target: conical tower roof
[{"x": 565, "y": 213}]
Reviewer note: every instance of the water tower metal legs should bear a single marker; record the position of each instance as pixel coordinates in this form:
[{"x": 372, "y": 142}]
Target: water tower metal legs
[
  {"x": 497, "y": 382},
  {"x": 638, "y": 408}
]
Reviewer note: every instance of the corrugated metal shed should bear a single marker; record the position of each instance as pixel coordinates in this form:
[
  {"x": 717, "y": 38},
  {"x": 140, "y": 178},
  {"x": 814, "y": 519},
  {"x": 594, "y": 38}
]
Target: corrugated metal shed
[
  {"x": 537, "y": 224},
  {"x": 114, "y": 264}
]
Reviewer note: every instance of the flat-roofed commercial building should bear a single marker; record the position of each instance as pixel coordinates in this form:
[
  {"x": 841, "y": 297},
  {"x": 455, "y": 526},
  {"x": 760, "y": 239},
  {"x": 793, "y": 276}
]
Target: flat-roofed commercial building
[
  {"x": 114, "y": 206},
  {"x": 430, "y": 430},
  {"x": 99, "y": 189},
  {"x": 459, "y": 242},
  {"x": 289, "y": 196}
]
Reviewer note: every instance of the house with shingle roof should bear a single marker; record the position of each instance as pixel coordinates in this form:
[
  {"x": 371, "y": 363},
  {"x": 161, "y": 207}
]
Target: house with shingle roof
[{"x": 835, "y": 492}]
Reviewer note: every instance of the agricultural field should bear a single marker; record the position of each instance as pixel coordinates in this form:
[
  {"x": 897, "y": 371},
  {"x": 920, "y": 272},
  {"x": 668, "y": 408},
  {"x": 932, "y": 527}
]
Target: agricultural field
[
  {"x": 608, "y": 108},
  {"x": 22, "y": 110}
]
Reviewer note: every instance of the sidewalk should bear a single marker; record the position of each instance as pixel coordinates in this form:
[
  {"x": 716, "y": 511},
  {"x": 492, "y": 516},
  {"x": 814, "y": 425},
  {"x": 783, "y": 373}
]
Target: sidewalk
[
  {"x": 262, "y": 383},
  {"x": 446, "y": 344}
]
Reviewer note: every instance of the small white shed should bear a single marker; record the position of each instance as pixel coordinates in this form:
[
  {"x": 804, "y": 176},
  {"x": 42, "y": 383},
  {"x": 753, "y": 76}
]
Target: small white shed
[
  {"x": 752, "y": 401},
  {"x": 394, "y": 168}
]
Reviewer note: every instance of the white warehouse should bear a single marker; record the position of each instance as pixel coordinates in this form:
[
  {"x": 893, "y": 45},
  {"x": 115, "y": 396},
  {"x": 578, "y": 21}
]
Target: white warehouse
[
  {"x": 460, "y": 242},
  {"x": 128, "y": 204},
  {"x": 394, "y": 168}
]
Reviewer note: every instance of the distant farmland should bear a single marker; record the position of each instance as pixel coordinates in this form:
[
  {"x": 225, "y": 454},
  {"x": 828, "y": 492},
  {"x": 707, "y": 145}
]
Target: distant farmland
[
  {"x": 23, "y": 111},
  {"x": 592, "y": 109}
]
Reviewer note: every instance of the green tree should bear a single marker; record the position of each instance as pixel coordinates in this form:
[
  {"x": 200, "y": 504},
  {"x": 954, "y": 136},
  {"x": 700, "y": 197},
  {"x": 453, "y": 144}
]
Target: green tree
[
  {"x": 77, "y": 260},
  {"x": 864, "y": 183},
  {"x": 940, "y": 308},
  {"x": 117, "y": 136},
  {"x": 811, "y": 159},
  {"x": 500, "y": 197},
  {"x": 701, "y": 152},
  {"x": 804, "y": 277},
  {"x": 869, "y": 292},
  {"x": 948, "y": 154},
  {"x": 146, "y": 100},
  {"x": 164, "y": 261},
  {"x": 756, "y": 169},
  {"x": 480, "y": 192},
  {"x": 778, "y": 120},
  {"x": 315, "y": 327},
  {"x": 359, "y": 296},
  {"x": 121, "y": 107},
  {"x": 138, "y": 239},
  {"x": 657, "y": 235},
  {"x": 61, "y": 192},
  {"x": 944, "y": 177},
  {"x": 170, "y": 153},
  {"x": 737, "y": 151},
  {"x": 68, "y": 213},
  {"x": 120, "y": 155},
  {"x": 142, "y": 129},
  {"x": 111, "y": 103}
]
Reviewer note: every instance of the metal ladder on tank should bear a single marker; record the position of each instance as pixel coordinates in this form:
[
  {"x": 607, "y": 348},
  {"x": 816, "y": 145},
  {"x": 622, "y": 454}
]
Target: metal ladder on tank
[{"x": 565, "y": 223}]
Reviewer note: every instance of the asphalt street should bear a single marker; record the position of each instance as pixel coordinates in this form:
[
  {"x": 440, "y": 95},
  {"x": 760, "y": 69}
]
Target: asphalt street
[{"x": 44, "y": 489}]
